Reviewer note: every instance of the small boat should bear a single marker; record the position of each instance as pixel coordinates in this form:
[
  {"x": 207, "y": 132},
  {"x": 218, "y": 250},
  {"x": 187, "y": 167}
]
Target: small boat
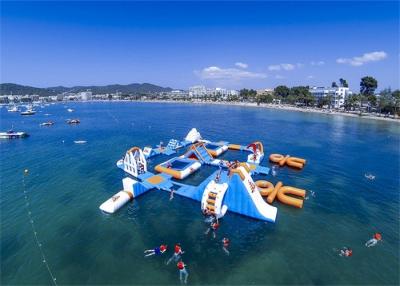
[
  {"x": 73, "y": 121},
  {"x": 80, "y": 141},
  {"x": 28, "y": 111},
  {"x": 48, "y": 123},
  {"x": 11, "y": 134},
  {"x": 13, "y": 109},
  {"x": 70, "y": 110}
]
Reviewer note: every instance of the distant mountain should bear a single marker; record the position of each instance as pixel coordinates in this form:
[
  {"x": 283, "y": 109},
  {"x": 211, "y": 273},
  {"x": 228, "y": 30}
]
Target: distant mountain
[{"x": 134, "y": 88}]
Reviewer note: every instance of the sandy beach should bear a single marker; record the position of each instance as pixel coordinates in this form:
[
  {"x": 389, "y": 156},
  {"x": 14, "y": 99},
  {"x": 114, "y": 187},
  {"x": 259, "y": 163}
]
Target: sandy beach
[{"x": 283, "y": 107}]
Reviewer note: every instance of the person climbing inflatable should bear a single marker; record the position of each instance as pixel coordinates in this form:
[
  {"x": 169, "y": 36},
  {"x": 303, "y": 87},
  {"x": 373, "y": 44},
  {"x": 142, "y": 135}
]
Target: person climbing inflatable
[
  {"x": 374, "y": 240},
  {"x": 156, "y": 251}
]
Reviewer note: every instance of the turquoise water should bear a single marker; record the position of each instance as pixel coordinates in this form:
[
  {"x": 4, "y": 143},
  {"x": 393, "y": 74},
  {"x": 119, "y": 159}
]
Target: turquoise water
[{"x": 67, "y": 182}]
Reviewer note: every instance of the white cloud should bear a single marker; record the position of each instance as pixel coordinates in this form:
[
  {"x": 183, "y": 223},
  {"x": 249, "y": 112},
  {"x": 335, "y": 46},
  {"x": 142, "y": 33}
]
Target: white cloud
[
  {"x": 214, "y": 72},
  {"x": 241, "y": 65},
  {"x": 274, "y": 67},
  {"x": 365, "y": 58},
  {"x": 286, "y": 67},
  {"x": 278, "y": 76},
  {"x": 310, "y": 77},
  {"x": 317, "y": 63}
]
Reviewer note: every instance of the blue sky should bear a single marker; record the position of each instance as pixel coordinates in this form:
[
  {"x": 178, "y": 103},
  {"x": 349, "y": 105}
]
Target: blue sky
[{"x": 179, "y": 44}]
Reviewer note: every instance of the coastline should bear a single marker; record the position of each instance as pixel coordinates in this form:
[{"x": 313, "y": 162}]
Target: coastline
[{"x": 278, "y": 107}]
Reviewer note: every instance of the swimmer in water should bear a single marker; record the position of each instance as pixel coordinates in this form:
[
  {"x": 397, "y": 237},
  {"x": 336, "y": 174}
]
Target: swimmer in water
[
  {"x": 183, "y": 274},
  {"x": 177, "y": 254},
  {"x": 374, "y": 240},
  {"x": 346, "y": 252},
  {"x": 214, "y": 225},
  {"x": 369, "y": 176},
  {"x": 156, "y": 251},
  {"x": 274, "y": 171},
  {"x": 225, "y": 245}
]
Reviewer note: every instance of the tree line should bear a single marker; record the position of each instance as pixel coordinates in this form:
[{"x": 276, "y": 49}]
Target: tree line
[{"x": 387, "y": 101}]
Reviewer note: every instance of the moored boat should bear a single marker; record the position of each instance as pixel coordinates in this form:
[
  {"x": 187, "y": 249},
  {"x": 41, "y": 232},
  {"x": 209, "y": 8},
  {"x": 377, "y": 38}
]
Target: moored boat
[
  {"x": 48, "y": 123},
  {"x": 13, "y": 109},
  {"x": 73, "y": 121},
  {"x": 11, "y": 134}
]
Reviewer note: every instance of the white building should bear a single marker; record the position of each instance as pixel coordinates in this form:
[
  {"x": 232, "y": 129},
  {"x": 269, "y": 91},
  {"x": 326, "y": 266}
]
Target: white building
[
  {"x": 85, "y": 95},
  {"x": 197, "y": 91},
  {"x": 338, "y": 94}
]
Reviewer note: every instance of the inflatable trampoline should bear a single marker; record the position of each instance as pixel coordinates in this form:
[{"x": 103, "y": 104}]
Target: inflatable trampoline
[
  {"x": 215, "y": 149},
  {"x": 179, "y": 168}
]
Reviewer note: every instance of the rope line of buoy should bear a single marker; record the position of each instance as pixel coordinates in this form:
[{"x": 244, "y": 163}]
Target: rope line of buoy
[{"x": 32, "y": 222}]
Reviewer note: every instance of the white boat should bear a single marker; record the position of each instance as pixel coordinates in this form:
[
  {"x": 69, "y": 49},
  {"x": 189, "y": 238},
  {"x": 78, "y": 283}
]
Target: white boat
[
  {"x": 80, "y": 141},
  {"x": 29, "y": 110},
  {"x": 13, "y": 109},
  {"x": 11, "y": 134},
  {"x": 70, "y": 110},
  {"x": 48, "y": 123}
]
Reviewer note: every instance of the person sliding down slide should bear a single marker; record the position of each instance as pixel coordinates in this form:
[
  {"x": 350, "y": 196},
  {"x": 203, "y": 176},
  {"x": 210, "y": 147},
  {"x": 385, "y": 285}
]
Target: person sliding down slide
[
  {"x": 177, "y": 253},
  {"x": 156, "y": 251},
  {"x": 373, "y": 241}
]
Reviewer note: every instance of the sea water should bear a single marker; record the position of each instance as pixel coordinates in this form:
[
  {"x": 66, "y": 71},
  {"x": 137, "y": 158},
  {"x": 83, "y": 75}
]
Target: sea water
[{"x": 67, "y": 182}]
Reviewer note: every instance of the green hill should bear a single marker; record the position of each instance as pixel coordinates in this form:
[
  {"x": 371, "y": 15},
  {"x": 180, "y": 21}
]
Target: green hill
[{"x": 134, "y": 88}]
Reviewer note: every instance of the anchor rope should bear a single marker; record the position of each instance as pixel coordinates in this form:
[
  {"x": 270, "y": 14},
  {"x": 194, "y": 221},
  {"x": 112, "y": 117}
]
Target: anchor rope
[{"x": 35, "y": 234}]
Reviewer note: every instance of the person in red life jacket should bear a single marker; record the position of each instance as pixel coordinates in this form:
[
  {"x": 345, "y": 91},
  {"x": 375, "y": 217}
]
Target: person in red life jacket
[
  {"x": 346, "y": 252},
  {"x": 225, "y": 245},
  {"x": 177, "y": 253},
  {"x": 183, "y": 274},
  {"x": 156, "y": 251},
  {"x": 214, "y": 225},
  {"x": 374, "y": 240}
]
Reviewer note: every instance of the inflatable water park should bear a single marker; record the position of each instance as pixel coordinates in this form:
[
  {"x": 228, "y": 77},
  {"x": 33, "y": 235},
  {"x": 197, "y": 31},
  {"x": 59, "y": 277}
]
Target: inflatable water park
[{"x": 230, "y": 188}]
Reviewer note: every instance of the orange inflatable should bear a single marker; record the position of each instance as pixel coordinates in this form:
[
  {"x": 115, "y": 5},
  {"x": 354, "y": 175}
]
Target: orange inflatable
[
  {"x": 282, "y": 193},
  {"x": 265, "y": 187},
  {"x": 294, "y": 162},
  {"x": 288, "y": 200},
  {"x": 272, "y": 196}
]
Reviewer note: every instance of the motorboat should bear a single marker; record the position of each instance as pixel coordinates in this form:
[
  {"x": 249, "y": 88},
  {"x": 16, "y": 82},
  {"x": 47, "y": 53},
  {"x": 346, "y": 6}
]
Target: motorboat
[
  {"x": 29, "y": 111},
  {"x": 13, "y": 109},
  {"x": 73, "y": 121},
  {"x": 11, "y": 134},
  {"x": 48, "y": 123}
]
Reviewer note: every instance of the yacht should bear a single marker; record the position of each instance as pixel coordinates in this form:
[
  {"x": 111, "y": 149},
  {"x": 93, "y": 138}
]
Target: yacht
[
  {"x": 14, "y": 108},
  {"x": 11, "y": 134},
  {"x": 29, "y": 111}
]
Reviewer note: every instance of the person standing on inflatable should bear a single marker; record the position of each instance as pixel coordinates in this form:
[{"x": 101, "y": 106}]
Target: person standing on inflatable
[
  {"x": 374, "y": 240},
  {"x": 183, "y": 274},
  {"x": 177, "y": 253}
]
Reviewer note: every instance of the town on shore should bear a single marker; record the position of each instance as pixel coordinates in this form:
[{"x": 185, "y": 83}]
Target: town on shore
[{"x": 337, "y": 98}]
